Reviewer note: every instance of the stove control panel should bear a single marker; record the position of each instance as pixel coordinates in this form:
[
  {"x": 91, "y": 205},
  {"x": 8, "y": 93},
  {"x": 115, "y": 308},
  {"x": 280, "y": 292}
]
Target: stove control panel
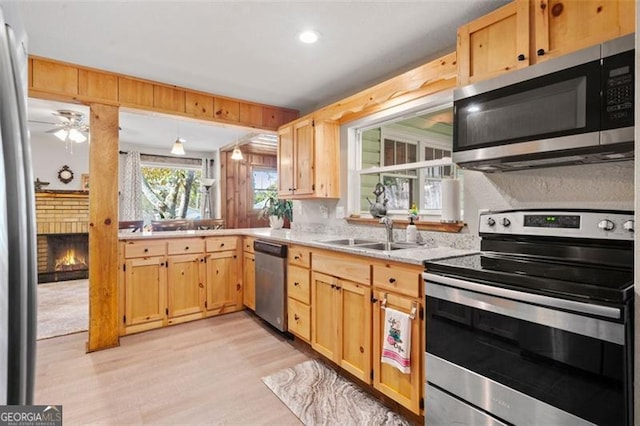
[{"x": 599, "y": 224}]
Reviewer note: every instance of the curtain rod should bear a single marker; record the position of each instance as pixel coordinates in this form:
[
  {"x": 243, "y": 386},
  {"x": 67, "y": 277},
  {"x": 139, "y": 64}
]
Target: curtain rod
[{"x": 166, "y": 156}]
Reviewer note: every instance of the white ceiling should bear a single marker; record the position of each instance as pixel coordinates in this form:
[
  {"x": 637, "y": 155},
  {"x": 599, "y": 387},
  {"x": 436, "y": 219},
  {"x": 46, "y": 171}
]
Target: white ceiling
[{"x": 246, "y": 49}]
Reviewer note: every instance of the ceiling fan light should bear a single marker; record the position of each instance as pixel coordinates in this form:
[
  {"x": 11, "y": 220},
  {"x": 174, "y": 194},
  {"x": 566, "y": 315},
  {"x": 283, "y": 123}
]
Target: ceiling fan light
[
  {"x": 237, "y": 154},
  {"x": 76, "y": 136},
  {"x": 61, "y": 134},
  {"x": 178, "y": 148}
]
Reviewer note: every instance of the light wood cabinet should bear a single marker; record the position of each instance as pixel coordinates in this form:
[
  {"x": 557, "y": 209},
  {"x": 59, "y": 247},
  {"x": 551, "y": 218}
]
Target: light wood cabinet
[
  {"x": 143, "y": 285},
  {"x": 248, "y": 273},
  {"x": 299, "y": 292},
  {"x": 185, "y": 286},
  {"x": 564, "y": 26},
  {"x": 145, "y": 288},
  {"x": 526, "y": 32},
  {"x": 494, "y": 43},
  {"x": 309, "y": 160},
  {"x": 341, "y": 313},
  {"x": 398, "y": 287},
  {"x": 223, "y": 287}
]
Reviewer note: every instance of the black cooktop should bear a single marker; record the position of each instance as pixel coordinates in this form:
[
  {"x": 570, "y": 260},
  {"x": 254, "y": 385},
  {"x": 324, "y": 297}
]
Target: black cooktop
[{"x": 576, "y": 281}]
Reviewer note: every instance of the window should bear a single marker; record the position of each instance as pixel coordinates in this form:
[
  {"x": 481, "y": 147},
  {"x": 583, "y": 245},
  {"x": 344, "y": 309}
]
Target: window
[
  {"x": 265, "y": 184},
  {"x": 171, "y": 191},
  {"x": 409, "y": 154}
]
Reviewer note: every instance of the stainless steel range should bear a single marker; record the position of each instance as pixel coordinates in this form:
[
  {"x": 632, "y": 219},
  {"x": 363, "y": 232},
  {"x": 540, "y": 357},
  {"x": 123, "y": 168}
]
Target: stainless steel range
[{"x": 537, "y": 328}]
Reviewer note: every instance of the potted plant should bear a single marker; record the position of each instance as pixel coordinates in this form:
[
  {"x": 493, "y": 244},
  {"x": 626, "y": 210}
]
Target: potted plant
[{"x": 277, "y": 211}]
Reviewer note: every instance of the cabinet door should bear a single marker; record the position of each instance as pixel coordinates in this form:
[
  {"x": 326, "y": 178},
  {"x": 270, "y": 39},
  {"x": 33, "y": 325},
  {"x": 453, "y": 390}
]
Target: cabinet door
[
  {"x": 324, "y": 315},
  {"x": 303, "y": 137},
  {"x": 222, "y": 282},
  {"x": 285, "y": 161},
  {"x": 355, "y": 329},
  {"x": 564, "y": 26},
  {"x": 145, "y": 290},
  {"x": 185, "y": 284},
  {"x": 249, "y": 281},
  {"x": 403, "y": 388},
  {"x": 494, "y": 43}
]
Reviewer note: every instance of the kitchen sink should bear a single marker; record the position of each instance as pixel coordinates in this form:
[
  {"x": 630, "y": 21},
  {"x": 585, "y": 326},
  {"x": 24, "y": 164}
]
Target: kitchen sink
[
  {"x": 389, "y": 246},
  {"x": 349, "y": 242},
  {"x": 371, "y": 244}
]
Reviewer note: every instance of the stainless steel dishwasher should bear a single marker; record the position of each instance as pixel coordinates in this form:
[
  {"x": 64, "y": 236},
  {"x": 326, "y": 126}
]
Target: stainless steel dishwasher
[{"x": 271, "y": 283}]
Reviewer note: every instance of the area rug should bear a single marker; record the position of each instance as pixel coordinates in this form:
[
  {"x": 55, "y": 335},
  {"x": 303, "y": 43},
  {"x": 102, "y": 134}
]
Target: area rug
[
  {"x": 63, "y": 308},
  {"x": 320, "y": 396}
]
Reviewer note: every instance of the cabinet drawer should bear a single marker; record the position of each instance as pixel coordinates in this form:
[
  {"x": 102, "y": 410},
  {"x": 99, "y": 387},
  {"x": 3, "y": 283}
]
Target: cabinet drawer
[
  {"x": 185, "y": 246},
  {"x": 298, "y": 284},
  {"x": 299, "y": 319},
  {"x": 300, "y": 255},
  {"x": 144, "y": 248},
  {"x": 397, "y": 279},
  {"x": 247, "y": 244},
  {"x": 343, "y": 266},
  {"x": 221, "y": 243}
]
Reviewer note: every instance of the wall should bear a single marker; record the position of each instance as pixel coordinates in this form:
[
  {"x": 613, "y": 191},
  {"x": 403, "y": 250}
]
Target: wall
[{"x": 48, "y": 155}]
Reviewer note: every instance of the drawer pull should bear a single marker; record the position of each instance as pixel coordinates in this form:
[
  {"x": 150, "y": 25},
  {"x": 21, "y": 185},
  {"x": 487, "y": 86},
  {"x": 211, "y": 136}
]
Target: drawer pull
[
  {"x": 186, "y": 248},
  {"x": 392, "y": 280},
  {"x": 146, "y": 250},
  {"x": 221, "y": 244}
]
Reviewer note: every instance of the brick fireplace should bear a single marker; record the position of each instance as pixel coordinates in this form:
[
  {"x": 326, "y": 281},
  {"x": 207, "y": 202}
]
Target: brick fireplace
[{"x": 62, "y": 220}]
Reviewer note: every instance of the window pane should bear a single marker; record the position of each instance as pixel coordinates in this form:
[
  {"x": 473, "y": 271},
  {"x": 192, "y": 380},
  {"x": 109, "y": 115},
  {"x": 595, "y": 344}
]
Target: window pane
[
  {"x": 399, "y": 192},
  {"x": 389, "y": 152},
  {"x": 171, "y": 192},
  {"x": 432, "y": 194},
  {"x": 265, "y": 183}
]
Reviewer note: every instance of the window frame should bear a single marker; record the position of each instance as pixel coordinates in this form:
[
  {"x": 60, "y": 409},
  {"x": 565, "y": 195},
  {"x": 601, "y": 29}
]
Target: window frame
[{"x": 354, "y": 148}]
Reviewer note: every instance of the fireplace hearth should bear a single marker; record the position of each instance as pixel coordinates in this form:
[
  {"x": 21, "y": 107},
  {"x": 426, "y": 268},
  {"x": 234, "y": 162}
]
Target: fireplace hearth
[{"x": 67, "y": 257}]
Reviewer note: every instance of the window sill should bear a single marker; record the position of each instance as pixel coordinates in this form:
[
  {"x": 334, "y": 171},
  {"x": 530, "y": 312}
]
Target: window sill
[{"x": 421, "y": 225}]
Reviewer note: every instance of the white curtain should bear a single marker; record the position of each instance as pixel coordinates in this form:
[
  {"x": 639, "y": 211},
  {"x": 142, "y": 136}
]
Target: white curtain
[
  {"x": 131, "y": 189},
  {"x": 208, "y": 172}
]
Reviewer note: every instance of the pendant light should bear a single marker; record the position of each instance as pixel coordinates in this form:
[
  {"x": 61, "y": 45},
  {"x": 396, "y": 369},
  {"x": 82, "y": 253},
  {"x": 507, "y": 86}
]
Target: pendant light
[
  {"x": 178, "y": 148},
  {"x": 237, "y": 154}
]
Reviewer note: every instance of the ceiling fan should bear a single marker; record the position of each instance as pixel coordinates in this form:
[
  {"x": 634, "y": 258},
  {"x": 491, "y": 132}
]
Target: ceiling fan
[{"x": 73, "y": 127}]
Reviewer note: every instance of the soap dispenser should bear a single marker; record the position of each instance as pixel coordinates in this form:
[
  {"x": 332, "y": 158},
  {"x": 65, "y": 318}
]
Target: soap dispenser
[{"x": 412, "y": 231}]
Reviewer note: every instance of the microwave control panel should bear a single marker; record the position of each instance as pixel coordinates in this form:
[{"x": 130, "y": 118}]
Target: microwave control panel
[{"x": 617, "y": 90}]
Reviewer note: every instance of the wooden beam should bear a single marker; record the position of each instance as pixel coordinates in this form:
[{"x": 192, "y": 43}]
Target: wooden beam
[
  {"x": 103, "y": 228},
  {"x": 432, "y": 77},
  {"x": 65, "y": 82}
]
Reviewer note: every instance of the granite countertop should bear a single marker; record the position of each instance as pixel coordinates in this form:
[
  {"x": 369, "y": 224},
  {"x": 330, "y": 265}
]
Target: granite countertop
[{"x": 409, "y": 255}]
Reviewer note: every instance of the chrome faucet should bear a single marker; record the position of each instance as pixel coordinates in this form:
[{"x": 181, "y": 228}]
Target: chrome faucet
[{"x": 388, "y": 223}]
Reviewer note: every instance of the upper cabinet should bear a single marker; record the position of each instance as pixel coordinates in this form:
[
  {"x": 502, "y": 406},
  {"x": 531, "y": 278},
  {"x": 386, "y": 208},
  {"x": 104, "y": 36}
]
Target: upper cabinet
[
  {"x": 526, "y": 32},
  {"x": 494, "y": 43},
  {"x": 309, "y": 160}
]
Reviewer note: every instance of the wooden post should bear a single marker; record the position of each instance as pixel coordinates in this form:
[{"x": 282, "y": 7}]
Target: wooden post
[{"x": 103, "y": 228}]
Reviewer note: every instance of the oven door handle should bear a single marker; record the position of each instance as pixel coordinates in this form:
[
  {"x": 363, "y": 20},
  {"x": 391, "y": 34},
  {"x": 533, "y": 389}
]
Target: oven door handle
[{"x": 500, "y": 304}]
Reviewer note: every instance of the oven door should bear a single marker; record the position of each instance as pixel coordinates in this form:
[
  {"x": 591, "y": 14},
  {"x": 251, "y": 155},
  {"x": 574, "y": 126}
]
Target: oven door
[{"x": 521, "y": 361}]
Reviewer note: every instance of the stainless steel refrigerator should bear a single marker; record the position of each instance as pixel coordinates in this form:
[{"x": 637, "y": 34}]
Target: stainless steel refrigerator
[{"x": 17, "y": 219}]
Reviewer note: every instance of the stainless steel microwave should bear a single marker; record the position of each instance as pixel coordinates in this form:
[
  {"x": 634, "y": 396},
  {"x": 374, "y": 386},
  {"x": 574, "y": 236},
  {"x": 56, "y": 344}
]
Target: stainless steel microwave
[{"x": 574, "y": 109}]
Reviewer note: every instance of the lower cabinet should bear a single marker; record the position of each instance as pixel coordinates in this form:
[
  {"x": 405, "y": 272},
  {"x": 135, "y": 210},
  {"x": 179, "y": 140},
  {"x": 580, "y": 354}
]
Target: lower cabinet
[
  {"x": 406, "y": 389},
  {"x": 249, "y": 280},
  {"x": 145, "y": 286},
  {"x": 341, "y": 323},
  {"x": 185, "y": 287},
  {"x": 222, "y": 277}
]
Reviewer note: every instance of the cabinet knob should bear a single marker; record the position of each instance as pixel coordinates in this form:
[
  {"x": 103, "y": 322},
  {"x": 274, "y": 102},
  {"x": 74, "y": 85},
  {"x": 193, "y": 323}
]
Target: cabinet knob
[
  {"x": 296, "y": 284},
  {"x": 338, "y": 287},
  {"x": 296, "y": 317},
  {"x": 392, "y": 280},
  {"x": 521, "y": 57},
  {"x": 221, "y": 244},
  {"x": 146, "y": 250},
  {"x": 186, "y": 248},
  {"x": 296, "y": 257},
  {"x": 161, "y": 263},
  {"x": 540, "y": 52},
  {"x": 333, "y": 286}
]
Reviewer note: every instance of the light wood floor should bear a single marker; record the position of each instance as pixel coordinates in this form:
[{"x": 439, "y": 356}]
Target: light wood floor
[{"x": 203, "y": 372}]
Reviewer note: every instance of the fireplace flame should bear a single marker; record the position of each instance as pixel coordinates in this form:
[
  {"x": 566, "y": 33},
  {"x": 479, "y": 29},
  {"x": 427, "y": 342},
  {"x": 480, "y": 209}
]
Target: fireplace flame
[{"x": 70, "y": 261}]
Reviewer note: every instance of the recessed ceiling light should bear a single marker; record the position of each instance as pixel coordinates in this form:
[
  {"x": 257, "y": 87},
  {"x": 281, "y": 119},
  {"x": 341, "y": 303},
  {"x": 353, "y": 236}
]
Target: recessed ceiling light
[{"x": 308, "y": 36}]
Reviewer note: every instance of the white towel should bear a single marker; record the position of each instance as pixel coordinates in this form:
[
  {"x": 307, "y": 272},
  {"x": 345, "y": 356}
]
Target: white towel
[{"x": 396, "y": 348}]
